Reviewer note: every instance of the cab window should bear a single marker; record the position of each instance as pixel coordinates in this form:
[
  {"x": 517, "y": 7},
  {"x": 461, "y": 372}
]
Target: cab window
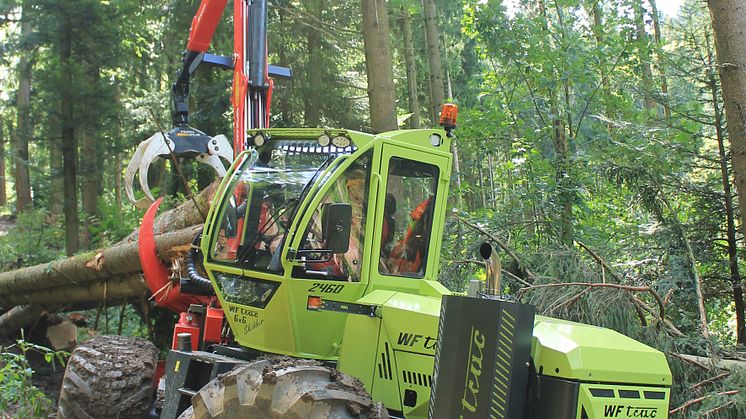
[
  {"x": 408, "y": 217},
  {"x": 351, "y": 187}
]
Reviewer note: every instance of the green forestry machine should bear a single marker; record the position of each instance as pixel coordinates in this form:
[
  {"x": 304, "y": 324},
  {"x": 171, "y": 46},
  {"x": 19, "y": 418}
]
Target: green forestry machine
[{"x": 312, "y": 291}]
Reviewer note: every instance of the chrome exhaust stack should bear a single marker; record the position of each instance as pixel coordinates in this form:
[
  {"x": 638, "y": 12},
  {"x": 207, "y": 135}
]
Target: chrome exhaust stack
[{"x": 493, "y": 267}]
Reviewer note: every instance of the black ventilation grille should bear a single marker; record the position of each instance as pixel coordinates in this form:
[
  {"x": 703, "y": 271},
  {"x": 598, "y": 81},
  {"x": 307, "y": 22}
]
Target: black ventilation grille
[
  {"x": 629, "y": 394},
  {"x": 384, "y": 367},
  {"x": 417, "y": 378}
]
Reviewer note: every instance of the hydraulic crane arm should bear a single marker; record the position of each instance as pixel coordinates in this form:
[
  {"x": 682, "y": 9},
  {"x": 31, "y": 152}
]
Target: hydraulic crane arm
[
  {"x": 204, "y": 24},
  {"x": 251, "y": 96}
]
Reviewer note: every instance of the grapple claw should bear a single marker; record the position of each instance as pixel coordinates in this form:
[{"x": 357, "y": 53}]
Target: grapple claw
[
  {"x": 182, "y": 142},
  {"x": 132, "y": 168}
]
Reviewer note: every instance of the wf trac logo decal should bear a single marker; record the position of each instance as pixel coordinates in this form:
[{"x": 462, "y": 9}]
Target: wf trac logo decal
[
  {"x": 412, "y": 340},
  {"x": 623, "y": 411},
  {"x": 474, "y": 371}
]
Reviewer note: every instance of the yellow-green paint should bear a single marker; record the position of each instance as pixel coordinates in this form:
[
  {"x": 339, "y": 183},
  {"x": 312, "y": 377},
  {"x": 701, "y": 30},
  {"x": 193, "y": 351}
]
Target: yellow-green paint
[{"x": 588, "y": 353}]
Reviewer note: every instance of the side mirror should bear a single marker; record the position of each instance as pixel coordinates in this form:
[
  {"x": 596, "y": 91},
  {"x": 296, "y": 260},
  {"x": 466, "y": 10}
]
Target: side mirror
[{"x": 336, "y": 220}]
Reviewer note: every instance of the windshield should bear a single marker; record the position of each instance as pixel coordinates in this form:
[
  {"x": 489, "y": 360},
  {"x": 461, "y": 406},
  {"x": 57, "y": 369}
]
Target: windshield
[{"x": 260, "y": 202}]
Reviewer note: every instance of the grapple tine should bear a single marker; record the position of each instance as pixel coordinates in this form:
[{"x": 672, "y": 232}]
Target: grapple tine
[
  {"x": 212, "y": 161},
  {"x": 129, "y": 175},
  {"x": 156, "y": 147}
]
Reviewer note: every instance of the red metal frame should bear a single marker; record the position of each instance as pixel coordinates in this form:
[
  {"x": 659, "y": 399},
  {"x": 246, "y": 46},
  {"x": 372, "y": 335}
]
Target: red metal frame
[{"x": 165, "y": 293}]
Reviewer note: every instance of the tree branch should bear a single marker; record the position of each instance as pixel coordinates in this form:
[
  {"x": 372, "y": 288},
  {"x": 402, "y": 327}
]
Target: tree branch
[{"x": 530, "y": 276}]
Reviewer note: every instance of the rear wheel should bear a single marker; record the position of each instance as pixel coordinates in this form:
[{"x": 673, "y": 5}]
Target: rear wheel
[
  {"x": 108, "y": 377},
  {"x": 286, "y": 388}
]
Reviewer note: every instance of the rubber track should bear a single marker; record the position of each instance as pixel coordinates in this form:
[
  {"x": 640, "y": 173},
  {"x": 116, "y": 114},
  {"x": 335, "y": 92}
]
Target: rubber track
[
  {"x": 108, "y": 377},
  {"x": 284, "y": 388}
]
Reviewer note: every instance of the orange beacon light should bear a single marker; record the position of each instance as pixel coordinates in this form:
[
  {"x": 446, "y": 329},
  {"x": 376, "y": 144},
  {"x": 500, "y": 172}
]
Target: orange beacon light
[{"x": 448, "y": 116}]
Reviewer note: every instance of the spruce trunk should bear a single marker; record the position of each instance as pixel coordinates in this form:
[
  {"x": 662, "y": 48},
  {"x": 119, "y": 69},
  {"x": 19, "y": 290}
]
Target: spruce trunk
[
  {"x": 729, "y": 21},
  {"x": 378, "y": 62}
]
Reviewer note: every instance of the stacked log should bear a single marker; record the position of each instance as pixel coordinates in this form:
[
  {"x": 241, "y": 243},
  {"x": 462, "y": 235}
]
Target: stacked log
[{"x": 111, "y": 274}]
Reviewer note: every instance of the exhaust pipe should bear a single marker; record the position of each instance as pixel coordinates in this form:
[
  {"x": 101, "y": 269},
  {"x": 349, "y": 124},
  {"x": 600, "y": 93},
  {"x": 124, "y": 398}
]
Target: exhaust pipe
[{"x": 493, "y": 266}]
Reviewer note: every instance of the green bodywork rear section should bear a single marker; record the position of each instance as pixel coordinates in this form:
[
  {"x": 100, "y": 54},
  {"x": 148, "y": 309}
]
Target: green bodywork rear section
[{"x": 588, "y": 353}]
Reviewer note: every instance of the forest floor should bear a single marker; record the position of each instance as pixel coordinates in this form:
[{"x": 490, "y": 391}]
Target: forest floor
[{"x": 46, "y": 378}]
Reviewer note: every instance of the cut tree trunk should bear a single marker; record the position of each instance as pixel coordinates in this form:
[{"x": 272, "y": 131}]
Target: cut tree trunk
[{"x": 117, "y": 261}]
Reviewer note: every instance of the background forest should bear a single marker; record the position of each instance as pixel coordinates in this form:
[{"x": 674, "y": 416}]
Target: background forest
[{"x": 592, "y": 145}]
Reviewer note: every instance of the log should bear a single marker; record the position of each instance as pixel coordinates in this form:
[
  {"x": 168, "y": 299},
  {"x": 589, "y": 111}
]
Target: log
[
  {"x": 110, "y": 274},
  {"x": 19, "y": 317},
  {"x": 117, "y": 261},
  {"x": 182, "y": 216},
  {"x": 109, "y": 289}
]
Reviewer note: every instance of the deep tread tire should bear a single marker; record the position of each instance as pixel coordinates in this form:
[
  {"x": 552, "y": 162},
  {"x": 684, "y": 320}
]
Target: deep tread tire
[
  {"x": 286, "y": 388},
  {"x": 108, "y": 377}
]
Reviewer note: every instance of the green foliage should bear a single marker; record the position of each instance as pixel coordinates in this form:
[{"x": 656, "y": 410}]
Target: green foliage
[
  {"x": 37, "y": 237},
  {"x": 18, "y": 394},
  {"x": 114, "y": 222}
]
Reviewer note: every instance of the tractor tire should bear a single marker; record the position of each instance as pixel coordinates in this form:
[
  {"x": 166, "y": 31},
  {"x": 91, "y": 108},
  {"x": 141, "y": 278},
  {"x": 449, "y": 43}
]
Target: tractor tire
[
  {"x": 286, "y": 388},
  {"x": 108, "y": 377}
]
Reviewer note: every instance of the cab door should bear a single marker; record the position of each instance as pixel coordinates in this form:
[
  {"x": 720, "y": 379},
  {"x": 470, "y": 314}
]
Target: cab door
[
  {"x": 335, "y": 278},
  {"x": 410, "y": 208}
]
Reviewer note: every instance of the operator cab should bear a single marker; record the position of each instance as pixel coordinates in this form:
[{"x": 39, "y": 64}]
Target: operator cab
[{"x": 312, "y": 215}]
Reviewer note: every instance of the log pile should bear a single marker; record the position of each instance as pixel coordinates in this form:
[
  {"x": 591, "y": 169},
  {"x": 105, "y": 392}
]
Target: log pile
[{"x": 109, "y": 275}]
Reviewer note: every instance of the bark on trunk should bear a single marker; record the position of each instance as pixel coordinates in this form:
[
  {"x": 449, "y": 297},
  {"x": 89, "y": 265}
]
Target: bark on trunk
[
  {"x": 735, "y": 274},
  {"x": 312, "y": 100},
  {"x": 432, "y": 35},
  {"x": 644, "y": 57},
  {"x": 603, "y": 65},
  {"x": 23, "y": 126},
  {"x": 729, "y": 24},
  {"x": 3, "y": 196},
  {"x": 378, "y": 63},
  {"x": 116, "y": 288},
  {"x": 69, "y": 144},
  {"x": 117, "y": 261},
  {"x": 411, "y": 65},
  {"x": 175, "y": 227},
  {"x": 57, "y": 184},
  {"x": 112, "y": 274},
  {"x": 89, "y": 174},
  {"x": 659, "y": 58},
  {"x": 19, "y": 317}
]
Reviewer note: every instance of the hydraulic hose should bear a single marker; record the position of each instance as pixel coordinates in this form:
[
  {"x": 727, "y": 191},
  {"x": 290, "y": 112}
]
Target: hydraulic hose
[{"x": 195, "y": 278}]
